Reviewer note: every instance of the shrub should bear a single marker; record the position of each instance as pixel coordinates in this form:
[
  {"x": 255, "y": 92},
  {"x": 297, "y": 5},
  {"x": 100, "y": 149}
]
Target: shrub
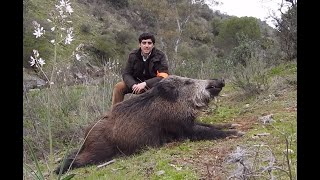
[
  {"x": 125, "y": 37},
  {"x": 85, "y": 28},
  {"x": 149, "y": 19},
  {"x": 251, "y": 77},
  {"x": 233, "y": 27},
  {"x": 104, "y": 46},
  {"x": 119, "y": 3}
]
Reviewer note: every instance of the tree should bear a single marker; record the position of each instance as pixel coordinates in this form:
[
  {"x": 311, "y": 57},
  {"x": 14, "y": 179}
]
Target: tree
[
  {"x": 287, "y": 29},
  {"x": 234, "y": 27}
]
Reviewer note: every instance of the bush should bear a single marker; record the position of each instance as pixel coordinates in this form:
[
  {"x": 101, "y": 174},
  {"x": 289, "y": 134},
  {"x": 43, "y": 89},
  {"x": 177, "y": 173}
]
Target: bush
[
  {"x": 125, "y": 37},
  {"x": 251, "y": 77},
  {"x": 104, "y": 46},
  {"x": 149, "y": 19},
  {"x": 250, "y": 65},
  {"x": 197, "y": 62},
  {"x": 85, "y": 28},
  {"x": 244, "y": 51},
  {"x": 233, "y": 27},
  {"x": 119, "y": 3}
]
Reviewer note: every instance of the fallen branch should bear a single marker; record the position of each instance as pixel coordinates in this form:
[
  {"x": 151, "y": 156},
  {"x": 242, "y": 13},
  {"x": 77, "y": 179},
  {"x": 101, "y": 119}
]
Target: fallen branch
[{"x": 107, "y": 163}]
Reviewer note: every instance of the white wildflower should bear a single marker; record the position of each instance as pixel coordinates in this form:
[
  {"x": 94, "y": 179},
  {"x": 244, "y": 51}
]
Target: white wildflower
[
  {"x": 69, "y": 36},
  {"x": 59, "y": 7},
  {"x": 78, "y": 57},
  {"x": 36, "y": 53},
  {"x": 70, "y": 30},
  {"x": 53, "y": 28},
  {"x": 38, "y": 32},
  {"x": 52, "y": 41},
  {"x": 33, "y": 61},
  {"x": 62, "y": 3},
  {"x": 64, "y": 7},
  {"x": 41, "y": 62},
  {"x": 69, "y": 9},
  {"x": 68, "y": 39}
]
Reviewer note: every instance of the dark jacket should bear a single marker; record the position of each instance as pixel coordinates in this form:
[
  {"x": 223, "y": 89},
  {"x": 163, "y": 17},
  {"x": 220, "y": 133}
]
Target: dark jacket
[{"x": 133, "y": 72}]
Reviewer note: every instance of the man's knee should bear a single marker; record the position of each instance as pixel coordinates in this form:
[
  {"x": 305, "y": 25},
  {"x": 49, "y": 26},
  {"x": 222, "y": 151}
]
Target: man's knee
[
  {"x": 120, "y": 87},
  {"x": 119, "y": 91}
]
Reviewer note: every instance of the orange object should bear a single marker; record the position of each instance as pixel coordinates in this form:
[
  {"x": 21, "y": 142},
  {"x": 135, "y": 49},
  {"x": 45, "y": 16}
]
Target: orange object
[{"x": 164, "y": 75}]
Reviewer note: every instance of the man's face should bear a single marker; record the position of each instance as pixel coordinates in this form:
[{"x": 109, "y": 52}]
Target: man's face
[{"x": 146, "y": 46}]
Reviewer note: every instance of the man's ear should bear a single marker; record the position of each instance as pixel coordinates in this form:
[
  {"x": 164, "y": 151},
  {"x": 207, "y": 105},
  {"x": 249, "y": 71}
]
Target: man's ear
[{"x": 167, "y": 90}]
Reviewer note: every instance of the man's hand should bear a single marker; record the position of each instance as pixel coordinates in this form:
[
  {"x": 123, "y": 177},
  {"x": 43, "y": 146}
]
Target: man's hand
[{"x": 137, "y": 88}]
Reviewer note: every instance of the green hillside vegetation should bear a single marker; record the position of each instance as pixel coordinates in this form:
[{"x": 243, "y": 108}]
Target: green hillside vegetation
[{"x": 257, "y": 62}]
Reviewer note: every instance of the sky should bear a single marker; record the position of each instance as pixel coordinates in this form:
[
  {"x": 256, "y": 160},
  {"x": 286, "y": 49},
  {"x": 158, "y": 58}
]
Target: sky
[{"x": 256, "y": 8}]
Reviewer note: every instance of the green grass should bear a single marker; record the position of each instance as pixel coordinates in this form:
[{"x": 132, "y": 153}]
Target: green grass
[
  {"x": 150, "y": 164},
  {"x": 222, "y": 114},
  {"x": 283, "y": 69}
]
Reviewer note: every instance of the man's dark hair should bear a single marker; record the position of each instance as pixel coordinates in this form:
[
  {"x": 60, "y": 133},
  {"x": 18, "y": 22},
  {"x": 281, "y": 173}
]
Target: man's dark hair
[{"x": 147, "y": 35}]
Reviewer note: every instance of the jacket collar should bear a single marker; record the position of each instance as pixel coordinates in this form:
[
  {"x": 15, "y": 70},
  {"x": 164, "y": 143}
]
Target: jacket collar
[{"x": 145, "y": 58}]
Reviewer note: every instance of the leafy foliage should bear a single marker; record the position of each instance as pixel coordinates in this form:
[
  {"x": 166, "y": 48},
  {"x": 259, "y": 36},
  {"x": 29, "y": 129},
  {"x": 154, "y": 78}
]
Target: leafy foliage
[
  {"x": 119, "y": 3},
  {"x": 252, "y": 77},
  {"x": 287, "y": 31},
  {"x": 232, "y": 28},
  {"x": 103, "y": 49},
  {"x": 250, "y": 67},
  {"x": 85, "y": 28}
]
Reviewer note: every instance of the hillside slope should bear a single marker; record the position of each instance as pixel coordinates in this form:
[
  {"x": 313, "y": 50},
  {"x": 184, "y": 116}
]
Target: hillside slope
[{"x": 107, "y": 34}]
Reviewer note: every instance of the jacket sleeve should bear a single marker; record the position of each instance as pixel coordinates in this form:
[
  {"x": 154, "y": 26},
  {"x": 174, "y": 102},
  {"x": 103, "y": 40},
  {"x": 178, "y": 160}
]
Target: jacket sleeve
[
  {"x": 127, "y": 74},
  {"x": 161, "y": 71}
]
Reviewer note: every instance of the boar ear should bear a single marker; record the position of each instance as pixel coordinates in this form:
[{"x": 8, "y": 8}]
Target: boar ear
[{"x": 167, "y": 90}]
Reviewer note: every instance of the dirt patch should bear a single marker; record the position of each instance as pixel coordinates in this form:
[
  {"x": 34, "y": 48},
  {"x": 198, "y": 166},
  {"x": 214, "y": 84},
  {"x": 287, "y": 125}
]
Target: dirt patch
[
  {"x": 208, "y": 160},
  {"x": 246, "y": 122}
]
